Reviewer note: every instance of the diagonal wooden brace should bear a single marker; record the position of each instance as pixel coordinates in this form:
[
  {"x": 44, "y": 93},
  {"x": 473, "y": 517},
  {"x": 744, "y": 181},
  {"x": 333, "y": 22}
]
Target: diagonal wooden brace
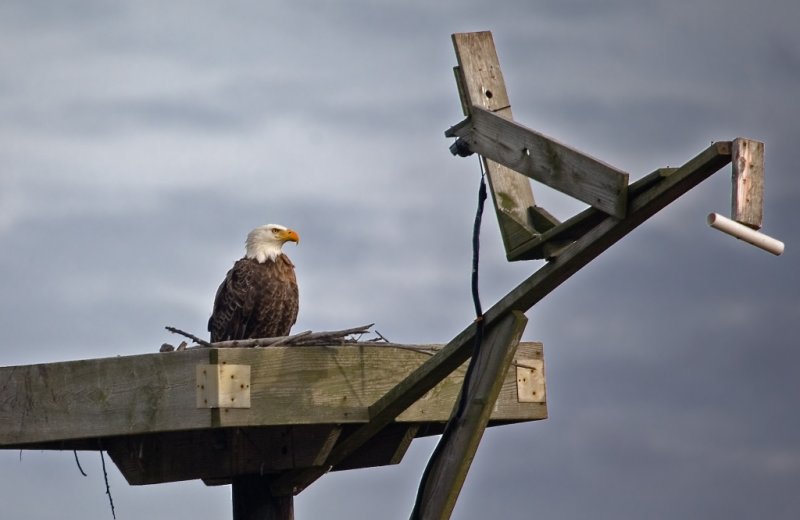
[{"x": 446, "y": 477}]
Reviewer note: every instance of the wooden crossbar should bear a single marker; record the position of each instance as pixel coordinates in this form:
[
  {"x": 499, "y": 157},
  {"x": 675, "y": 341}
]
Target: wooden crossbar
[{"x": 544, "y": 159}]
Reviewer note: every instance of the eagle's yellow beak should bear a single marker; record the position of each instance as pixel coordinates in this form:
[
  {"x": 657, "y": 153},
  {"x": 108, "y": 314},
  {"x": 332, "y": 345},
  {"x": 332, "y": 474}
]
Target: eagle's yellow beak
[{"x": 289, "y": 235}]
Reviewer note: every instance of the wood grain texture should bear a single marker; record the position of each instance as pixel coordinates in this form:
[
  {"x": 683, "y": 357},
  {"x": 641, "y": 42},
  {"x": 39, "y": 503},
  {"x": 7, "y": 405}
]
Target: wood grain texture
[
  {"x": 338, "y": 385},
  {"x": 546, "y": 160},
  {"x": 480, "y": 83},
  {"x": 747, "y": 204},
  {"x": 449, "y": 471},
  {"x": 100, "y": 397},
  {"x": 155, "y": 393}
]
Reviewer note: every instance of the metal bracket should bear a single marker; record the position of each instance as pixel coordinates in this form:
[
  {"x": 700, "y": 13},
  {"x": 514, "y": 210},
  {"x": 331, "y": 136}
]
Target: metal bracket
[{"x": 223, "y": 386}]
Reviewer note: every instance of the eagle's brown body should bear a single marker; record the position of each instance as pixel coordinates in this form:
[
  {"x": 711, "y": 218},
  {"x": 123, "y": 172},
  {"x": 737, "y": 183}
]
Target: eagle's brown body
[{"x": 256, "y": 300}]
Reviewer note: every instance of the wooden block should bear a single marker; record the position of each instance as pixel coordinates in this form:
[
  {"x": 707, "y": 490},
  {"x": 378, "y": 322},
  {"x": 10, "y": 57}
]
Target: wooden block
[
  {"x": 530, "y": 381},
  {"x": 747, "y": 205},
  {"x": 223, "y": 386},
  {"x": 542, "y": 219}
]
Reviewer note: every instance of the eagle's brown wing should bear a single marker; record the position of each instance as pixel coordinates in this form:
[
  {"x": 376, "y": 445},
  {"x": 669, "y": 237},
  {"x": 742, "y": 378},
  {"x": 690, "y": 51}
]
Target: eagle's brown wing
[
  {"x": 277, "y": 311},
  {"x": 256, "y": 300},
  {"x": 233, "y": 303}
]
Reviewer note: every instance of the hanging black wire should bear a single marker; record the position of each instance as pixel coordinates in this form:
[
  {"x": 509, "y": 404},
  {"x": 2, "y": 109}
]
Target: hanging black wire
[
  {"x": 476, "y": 348},
  {"x": 108, "y": 488},
  {"x": 78, "y": 462}
]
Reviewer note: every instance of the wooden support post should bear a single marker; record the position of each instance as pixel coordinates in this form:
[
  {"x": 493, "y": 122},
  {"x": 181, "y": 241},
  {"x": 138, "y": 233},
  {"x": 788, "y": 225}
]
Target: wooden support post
[
  {"x": 252, "y": 500},
  {"x": 596, "y": 239},
  {"x": 480, "y": 83},
  {"x": 446, "y": 477},
  {"x": 747, "y": 205},
  {"x": 544, "y": 159}
]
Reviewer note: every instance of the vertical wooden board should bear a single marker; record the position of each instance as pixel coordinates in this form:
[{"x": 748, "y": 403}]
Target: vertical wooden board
[
  {"x": 481, "y": 83},
  {"x": 483, "y": 80},
  {"x": 747, "y": 204}
]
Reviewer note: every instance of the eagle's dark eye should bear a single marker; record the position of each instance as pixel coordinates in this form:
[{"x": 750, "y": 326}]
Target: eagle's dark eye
[{"x": 275, "y": 231}]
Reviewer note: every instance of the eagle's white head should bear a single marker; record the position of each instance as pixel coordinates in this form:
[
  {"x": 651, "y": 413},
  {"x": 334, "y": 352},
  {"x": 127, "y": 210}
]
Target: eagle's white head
[{"x": 265, "y": 242}]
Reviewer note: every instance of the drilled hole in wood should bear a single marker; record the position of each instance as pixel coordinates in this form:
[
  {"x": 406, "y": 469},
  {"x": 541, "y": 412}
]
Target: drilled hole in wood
[{"x": 488, "y": 94}]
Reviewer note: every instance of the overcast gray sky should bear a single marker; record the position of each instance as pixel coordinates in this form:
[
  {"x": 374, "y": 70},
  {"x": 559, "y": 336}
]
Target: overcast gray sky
[{"x": 140, "y": 141}]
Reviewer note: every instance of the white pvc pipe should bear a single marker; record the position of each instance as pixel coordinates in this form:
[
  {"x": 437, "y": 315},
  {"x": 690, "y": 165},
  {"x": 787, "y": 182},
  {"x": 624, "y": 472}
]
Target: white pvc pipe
[{"x": 745, "y": 233}]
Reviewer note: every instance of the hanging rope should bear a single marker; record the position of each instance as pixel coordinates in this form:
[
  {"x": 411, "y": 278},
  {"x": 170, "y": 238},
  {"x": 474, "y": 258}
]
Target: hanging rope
[{"x": 463, "y": 398}]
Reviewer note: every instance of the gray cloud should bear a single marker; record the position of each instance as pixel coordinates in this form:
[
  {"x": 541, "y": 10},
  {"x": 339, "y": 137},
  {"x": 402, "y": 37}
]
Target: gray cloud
[{"x": 140, "y": 143}]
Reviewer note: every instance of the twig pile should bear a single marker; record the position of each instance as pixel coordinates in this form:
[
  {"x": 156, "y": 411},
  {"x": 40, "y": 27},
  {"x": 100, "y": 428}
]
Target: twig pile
[{"x": 305, "y": 338}]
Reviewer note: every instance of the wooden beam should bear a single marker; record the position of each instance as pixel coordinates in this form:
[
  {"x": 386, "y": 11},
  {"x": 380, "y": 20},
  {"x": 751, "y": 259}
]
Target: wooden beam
[
  {"x": 219, "y": 454},
  {"x": 156, "y": 393},
  {"x": 100, "y": 398},
  {"x": 454, "y": 458},
  {"x": 480, "y": 83},
  {"x": 747, "y": 205},
  {"x": 387, "y": 447},
  {"x": 544, "y": 159}
]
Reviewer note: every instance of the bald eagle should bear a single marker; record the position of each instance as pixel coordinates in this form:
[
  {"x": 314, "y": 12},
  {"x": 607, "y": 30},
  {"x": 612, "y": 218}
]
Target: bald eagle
[{"x": 259, "y": 297}]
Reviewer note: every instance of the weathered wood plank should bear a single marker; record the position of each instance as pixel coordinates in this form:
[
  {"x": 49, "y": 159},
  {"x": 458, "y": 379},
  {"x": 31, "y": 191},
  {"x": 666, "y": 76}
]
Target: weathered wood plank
[
  {"x": 747, "y": 205},
  {"x": 544, "y": 159},
  {"x": 100, "y": 397},
  {"x": 156, "y": 392},
  {"x": 454, "y": 459},
  {"x": 481, "y": 83},
  {"x": 338, "y": 385}
]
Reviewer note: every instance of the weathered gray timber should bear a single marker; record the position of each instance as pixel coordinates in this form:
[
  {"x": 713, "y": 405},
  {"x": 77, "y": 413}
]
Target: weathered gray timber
[
  {"x": 544, "y": 159},
  {"x": 747, "y": 204},
  {"x": 447, "y": 475},
  {"x": 144, "y": 409}
]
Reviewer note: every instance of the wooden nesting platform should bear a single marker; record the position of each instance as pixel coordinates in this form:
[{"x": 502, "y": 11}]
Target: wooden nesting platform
[{"x": 214, "y": 414}]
